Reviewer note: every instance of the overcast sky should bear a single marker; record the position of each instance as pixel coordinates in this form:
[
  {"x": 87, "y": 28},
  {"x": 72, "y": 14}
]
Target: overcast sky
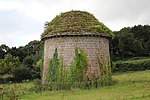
[{"x": 22, "y": 21}]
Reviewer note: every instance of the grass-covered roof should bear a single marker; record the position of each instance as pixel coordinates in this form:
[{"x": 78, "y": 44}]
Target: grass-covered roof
[{"x": 75, "y": 22}]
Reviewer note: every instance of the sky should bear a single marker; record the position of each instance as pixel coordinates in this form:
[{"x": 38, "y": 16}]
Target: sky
[{"x": 22, "y": 21}]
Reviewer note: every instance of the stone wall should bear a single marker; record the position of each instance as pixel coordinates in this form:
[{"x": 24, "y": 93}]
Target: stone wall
[{"x": 66, "y": 46}]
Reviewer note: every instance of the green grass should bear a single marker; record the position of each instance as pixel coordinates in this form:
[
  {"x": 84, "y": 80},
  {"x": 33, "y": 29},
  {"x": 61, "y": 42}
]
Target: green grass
[{"x": 130, "y": 86}]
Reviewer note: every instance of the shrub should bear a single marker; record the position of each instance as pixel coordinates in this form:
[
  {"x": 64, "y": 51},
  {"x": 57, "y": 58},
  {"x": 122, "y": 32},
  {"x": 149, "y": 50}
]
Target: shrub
[
  {"x": 22, "y": 73},
  {"x": 131, "y": 65}
]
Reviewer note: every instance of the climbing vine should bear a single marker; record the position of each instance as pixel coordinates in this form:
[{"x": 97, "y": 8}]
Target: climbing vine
[{"x": 105, "y": 71}]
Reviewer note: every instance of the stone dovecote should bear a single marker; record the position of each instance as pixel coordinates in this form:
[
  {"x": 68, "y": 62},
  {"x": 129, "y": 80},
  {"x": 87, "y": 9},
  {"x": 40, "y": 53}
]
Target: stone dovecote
[{"x": 84, "y": 31}]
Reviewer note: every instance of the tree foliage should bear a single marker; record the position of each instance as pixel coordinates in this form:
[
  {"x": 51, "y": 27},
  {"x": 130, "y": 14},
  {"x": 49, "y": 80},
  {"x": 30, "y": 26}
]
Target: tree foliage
[
  {"x": 3, "y": 50},
  {"x": 52, "y": 75},
  {"x": 22, "y": 73},
  {"x": 79, "y": 65},
  {"x": 8, "y": 64},
  {"x": 11, "y": 59},
  {"x": 131, "y": 42}
]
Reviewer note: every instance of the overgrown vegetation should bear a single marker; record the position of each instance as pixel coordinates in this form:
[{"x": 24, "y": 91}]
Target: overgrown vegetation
[
  {"x": 105, "y": 71},
  {"x": 75, "y": 21},
  {"x": 79, "y": 66},
  {"x": 60, "y": 77},
  {"x": 57, "y": 74}
]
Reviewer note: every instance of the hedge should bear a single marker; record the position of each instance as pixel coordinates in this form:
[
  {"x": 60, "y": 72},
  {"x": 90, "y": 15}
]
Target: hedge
[{"x": 131, "y": 65}]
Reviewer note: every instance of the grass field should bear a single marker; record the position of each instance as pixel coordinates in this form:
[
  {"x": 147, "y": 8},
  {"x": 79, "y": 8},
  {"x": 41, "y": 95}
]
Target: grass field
[{"x": 130, "y": 86}]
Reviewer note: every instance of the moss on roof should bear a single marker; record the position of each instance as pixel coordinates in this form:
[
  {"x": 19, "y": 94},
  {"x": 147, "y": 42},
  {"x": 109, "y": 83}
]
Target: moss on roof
[{"x": 75, "y": 21}]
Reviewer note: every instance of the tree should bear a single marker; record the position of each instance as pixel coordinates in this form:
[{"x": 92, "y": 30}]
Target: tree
[
  {"x": 22, "y": 73},
  {"x": 28, "y": 61},
  {"x": 26, "y": 56},
  {"x": 9, "y": 64},
  {"x": 79, "y": 65},
  {"x": 32, "y": 47},
  {"x": 131, "y": 42},
  {"x": 52, "y": 75},
  {"x": 39, "y": 67},
  {"x": 3, "y": 50}
]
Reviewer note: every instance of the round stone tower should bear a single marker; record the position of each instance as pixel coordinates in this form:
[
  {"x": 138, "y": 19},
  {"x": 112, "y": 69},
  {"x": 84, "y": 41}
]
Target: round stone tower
[{"x": 76, "y": 29}]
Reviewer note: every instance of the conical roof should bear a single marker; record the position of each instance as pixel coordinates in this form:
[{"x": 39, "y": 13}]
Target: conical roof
[{"x": 75, "y": 23}]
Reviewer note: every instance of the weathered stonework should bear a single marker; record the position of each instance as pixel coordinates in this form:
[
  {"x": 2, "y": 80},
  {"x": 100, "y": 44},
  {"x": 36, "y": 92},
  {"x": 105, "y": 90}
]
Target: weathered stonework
[
  {"x": 66, "y": 45},
  {"x": 76, "y": 29}
]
